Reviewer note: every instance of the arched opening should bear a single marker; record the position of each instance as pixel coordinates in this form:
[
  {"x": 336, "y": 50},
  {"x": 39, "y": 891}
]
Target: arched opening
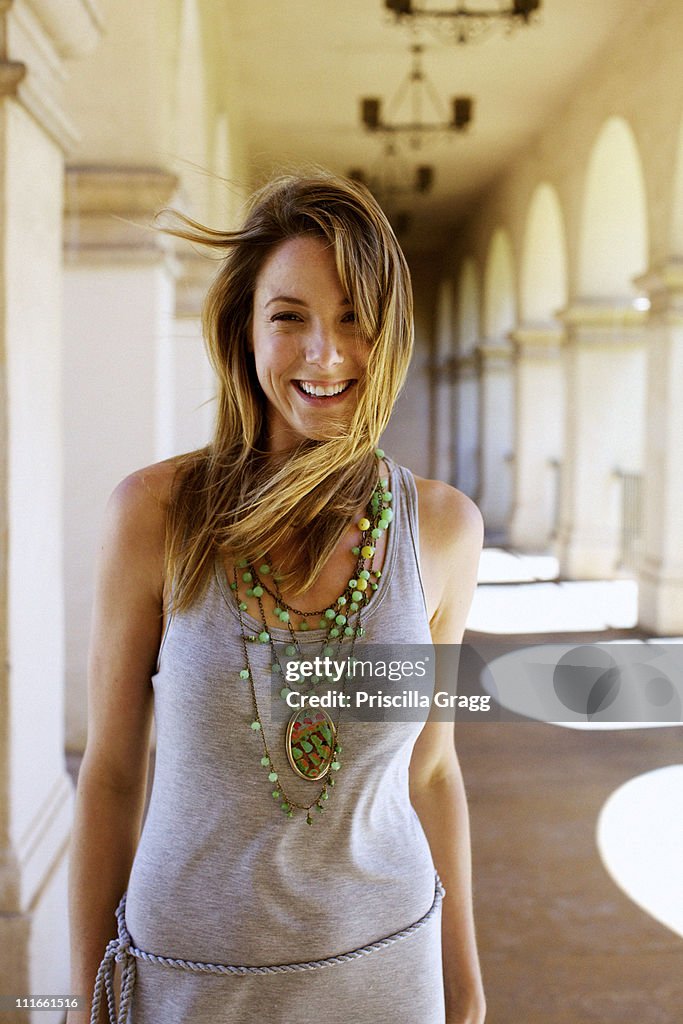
[
  {"x": 441, "y": 390},
  {"x": 539, "y": 382},
  {"x": 499, "y": 291},
  {"x": 676, "y": 239},
  {"x": 543, "y": 271},
  {"x": 613, "y": 244},
  {"x": 465, "y": 408},
  {"x": 496, "y": 393},
  {"x": 606, "y": 366}
]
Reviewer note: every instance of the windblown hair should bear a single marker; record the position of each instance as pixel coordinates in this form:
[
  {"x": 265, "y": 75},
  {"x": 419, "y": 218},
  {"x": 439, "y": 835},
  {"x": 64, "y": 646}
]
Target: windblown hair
[{"x": 234, "y": 499}]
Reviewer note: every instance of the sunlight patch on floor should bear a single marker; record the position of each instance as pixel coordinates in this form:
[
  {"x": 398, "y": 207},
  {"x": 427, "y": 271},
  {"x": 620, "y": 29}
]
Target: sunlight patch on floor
[
  {"x": 640, "y": 840},
  {"x": 499, "y": 566},
  {"x": 570, "y": 606}
]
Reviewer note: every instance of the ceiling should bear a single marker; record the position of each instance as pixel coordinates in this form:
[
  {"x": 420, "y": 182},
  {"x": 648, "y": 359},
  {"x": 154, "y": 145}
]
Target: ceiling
[{"x": 302, "y": 66}]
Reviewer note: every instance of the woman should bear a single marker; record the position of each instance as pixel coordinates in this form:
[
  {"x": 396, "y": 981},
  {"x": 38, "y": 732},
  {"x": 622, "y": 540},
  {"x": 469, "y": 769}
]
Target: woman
[{"x": 290, "y": 535}]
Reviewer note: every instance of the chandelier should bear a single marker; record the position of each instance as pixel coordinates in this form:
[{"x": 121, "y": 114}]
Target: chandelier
[
  {"x": 407, "y": 114},
  {"x": 393, "y": 184},
  {"x": 463, "y": 23},
  {"x": 392, "y": 180}
]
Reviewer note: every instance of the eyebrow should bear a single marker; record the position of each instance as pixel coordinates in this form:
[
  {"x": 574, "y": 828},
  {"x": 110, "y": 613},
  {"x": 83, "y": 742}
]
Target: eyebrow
[{"x": 297, "y": 302}]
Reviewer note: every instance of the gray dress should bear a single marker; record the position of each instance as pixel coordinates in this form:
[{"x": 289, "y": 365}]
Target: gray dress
[{"x": 348, "y": 909}]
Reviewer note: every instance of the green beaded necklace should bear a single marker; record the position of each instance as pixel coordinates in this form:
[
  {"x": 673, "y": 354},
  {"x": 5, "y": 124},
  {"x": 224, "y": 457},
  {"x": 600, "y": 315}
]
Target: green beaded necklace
[{"x": 312, "y": 744}]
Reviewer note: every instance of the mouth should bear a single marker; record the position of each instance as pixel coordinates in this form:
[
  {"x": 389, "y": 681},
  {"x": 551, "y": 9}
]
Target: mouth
[{"x": 323, "y": 392}]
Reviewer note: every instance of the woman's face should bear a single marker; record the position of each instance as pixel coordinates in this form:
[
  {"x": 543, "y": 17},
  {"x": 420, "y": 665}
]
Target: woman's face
[{"x": 309, "y": 357}]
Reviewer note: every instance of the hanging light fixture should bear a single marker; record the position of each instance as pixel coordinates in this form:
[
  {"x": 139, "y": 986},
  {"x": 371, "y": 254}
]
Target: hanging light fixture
[
  {"x": 464, "y": 22},
  {"x": 393, "y": 180},
  {"x": 408, "y": 110},
  {"x": 393, "y": 183}
]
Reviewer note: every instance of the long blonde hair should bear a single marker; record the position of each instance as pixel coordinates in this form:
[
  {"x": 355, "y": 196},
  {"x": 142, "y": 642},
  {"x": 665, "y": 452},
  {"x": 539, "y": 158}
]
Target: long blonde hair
[{"x": 232, "y": 497}]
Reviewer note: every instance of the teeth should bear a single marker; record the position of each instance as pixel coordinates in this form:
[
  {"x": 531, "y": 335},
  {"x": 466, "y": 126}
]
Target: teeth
[{"x": 321, "y": 391}]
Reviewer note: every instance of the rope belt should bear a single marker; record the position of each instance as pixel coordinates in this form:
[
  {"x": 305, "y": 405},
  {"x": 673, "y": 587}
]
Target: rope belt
[{"x": 120, "y": 950}]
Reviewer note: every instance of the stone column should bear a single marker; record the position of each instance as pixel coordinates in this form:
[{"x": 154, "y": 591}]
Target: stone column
[
  {"x": 191, "y": 383},
  {"x": 119, "y": 307},
  {"x": 465, "y": 413},
  {"x": 660, "y": 575},
  {"x": 539, "y": 425},
  {"x": 496, "y": 432},
  {"x": 35, "y": 792},
  {"x": 604, "y": 428},
  {"x": 441, "y": 443}
]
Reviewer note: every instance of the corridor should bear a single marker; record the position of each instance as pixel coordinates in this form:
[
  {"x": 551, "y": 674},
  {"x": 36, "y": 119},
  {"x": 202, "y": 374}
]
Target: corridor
[
  {"x": 561, "y": 941},
  {"x": 530, "y": 161}
]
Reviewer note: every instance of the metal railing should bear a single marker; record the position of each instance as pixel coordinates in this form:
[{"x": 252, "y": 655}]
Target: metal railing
[
  {"x": 555, "y": 465},
  {"x": 631, "y": 518}
]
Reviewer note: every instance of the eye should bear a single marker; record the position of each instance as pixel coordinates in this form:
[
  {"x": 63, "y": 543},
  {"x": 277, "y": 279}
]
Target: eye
[
  {"x": 287, "y": 317},
  {"x": 349, "y": 318}
]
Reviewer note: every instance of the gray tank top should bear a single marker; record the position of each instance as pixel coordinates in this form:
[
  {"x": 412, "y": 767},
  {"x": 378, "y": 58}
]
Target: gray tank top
[{"x": 220, "y": 874}]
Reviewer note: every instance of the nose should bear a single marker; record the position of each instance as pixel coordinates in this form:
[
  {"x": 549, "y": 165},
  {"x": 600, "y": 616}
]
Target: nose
[{"x": 323, "y": 348}]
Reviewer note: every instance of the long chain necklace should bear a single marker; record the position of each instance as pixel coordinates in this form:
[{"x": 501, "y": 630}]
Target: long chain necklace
[{"x": 312, "y": 738}]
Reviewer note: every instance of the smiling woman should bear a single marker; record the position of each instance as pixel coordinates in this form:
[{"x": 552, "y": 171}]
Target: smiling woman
[
  {"x": 291, "y": 534},
  {"x": 309, "y": 355}
]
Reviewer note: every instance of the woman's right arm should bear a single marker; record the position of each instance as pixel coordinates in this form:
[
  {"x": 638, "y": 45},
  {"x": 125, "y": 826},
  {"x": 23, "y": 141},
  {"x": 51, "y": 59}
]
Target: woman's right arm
[{"x": 110, "y": 797}]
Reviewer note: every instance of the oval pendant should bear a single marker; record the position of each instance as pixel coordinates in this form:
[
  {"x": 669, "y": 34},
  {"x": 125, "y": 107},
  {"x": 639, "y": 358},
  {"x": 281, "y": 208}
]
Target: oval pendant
[{"x": 309, "y": 743}]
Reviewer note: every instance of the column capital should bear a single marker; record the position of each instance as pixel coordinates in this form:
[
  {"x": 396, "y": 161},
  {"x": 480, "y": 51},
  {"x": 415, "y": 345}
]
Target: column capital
[
  {"x": 604, "y": 322},
  {"x": 12, "y": 72},
  {"x": 538, "y": 341},
  {"x": 465, "y": 366},
  {"x": 495, "y": 354},
  {"x": 109, "y": 213},
  {"x": 36, "y": 38},
  {"x": 663, "y": 283}
]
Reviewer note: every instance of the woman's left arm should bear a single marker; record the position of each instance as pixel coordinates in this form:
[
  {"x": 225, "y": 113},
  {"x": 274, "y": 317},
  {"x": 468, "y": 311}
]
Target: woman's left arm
[{"x": 451, "y": 535}]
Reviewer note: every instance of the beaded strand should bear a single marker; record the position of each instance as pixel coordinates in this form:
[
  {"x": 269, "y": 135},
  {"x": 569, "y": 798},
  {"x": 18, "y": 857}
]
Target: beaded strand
[{"x": 333, "y": 618}]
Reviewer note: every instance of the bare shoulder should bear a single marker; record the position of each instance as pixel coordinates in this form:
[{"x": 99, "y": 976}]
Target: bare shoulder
[
  {"x": 127, "y": 624},
  {"x": 143, "y": 497},
  {"x": 451, "y": 537},
  {"x": 447, "y": 516},
  {"x": 136, "y": 515},
  {"x": 147, "y": 491}
]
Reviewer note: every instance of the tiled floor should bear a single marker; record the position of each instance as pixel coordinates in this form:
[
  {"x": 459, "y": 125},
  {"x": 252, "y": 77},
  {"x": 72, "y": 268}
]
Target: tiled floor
[{"x": 559, "y": 940}]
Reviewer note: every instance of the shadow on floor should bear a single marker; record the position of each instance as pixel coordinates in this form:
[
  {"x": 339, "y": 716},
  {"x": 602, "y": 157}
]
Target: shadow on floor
[{"x": 560, "y": 943}]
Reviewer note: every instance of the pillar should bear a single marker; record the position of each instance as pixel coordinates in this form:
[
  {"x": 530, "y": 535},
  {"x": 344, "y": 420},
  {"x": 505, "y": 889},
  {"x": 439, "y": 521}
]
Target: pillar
[
  {"x": 191, "y": 387},
  {"x": 496, "y": 438},
  {"x": 660, "y": 574},
  {"x": 604, "y": 429},
  {"x": 35, "y": 792},
  {"x": 441, "y": 447},
  {"x": 119, "y": 308},
  {"x": 465, "y": 412},
  {"x": 539, "y": 425}
]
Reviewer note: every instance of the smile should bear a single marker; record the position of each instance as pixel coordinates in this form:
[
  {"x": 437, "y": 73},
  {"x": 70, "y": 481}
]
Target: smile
[{"x": 318, "y": 390}]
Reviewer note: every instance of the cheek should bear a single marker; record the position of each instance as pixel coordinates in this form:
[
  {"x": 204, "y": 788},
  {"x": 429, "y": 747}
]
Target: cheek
[{"x": 272, "y": 356}]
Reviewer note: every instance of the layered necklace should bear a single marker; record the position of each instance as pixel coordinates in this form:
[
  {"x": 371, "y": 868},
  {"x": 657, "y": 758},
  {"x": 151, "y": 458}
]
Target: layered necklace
[{"x": 312, "y": 746}]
